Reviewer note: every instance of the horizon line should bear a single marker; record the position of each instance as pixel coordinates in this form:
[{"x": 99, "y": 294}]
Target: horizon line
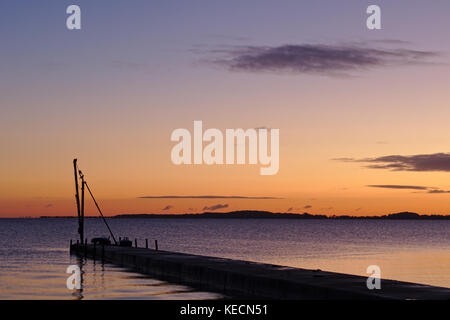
[{"x": 238, "y": 211}]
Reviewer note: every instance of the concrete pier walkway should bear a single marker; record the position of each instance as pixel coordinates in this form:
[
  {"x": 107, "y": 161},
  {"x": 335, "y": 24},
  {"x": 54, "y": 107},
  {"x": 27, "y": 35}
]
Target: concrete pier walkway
[{"x": 243, "y": 279}]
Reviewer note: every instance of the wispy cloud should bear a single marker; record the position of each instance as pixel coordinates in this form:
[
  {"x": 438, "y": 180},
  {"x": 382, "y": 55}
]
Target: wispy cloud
[
  {"x": 419, "y": 162},
  {"x": 168, "y": 207},
  {"x": 437, "y": 191},
  {"x": 215, "y": 207},
  {"x": 432, "y": 190},
  {"x": 208, "y": 197},
  {"x": 323, "y": 59},
  {"x": 304, "y": 207},
  {"x": 395, "y": 186}
]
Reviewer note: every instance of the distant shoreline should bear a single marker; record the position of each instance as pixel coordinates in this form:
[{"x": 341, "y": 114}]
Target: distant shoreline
[{"x": 253, "y": 214}]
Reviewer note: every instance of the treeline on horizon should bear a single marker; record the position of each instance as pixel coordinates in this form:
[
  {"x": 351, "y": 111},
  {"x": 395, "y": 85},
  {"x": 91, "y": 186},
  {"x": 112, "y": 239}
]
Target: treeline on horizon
[{"x": 254, "y": 214}]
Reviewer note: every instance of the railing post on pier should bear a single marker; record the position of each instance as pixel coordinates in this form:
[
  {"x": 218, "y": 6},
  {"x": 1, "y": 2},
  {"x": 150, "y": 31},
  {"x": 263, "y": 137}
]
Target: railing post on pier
[
  {"x": 146, "y": 243},
  {"x": 78, "y": 245},
  {"x": 103, "y": 251},
  {"x": 85, "y": 247},
  {"x": 156, "y": 245},
  {"x": 135, "y": 242},
  {"x": 93, "y": 254}
]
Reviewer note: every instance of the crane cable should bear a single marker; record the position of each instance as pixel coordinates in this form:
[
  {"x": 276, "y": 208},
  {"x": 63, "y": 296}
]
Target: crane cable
[{"x": 100, "y": 211}]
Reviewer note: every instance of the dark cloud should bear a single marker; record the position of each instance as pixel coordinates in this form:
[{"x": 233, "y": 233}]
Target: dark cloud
[
  {"x": 435, "y": 191},
  {"x": 208, "y": 197},
  {"x": 216, "y": 207},
  {"x": 317, "y": 58},
  {"x": 431, "y": 190},
  {"x": 419, "y": 162},
  {"x": 395, "y": 186},
  {"x": 305, "y": 207},
  {"x": 168, "y": 207}
]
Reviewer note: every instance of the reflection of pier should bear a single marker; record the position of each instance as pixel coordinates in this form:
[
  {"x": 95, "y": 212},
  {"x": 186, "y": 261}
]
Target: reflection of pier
[
  {"x": 78, "y": 293},
  {"x": 97, "y": 275},
  {"x": 245, "y": 279}
]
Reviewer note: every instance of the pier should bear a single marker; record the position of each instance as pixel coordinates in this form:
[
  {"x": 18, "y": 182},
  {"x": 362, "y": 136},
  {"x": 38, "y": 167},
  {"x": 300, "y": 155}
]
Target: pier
[{"x": 251, "y": 280}]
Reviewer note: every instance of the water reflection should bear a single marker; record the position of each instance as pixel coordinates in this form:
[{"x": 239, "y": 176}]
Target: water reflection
[
  {"x": 78, "y": 293},
  {"x": 34, "y": 252}
]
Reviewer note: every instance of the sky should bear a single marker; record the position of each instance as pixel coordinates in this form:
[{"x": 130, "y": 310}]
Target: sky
[{"x": 346, "y": 100}]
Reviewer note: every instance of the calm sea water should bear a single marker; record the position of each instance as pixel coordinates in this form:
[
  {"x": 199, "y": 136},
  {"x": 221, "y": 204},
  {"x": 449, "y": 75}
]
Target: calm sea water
[{"x": 34, "y": 252}]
